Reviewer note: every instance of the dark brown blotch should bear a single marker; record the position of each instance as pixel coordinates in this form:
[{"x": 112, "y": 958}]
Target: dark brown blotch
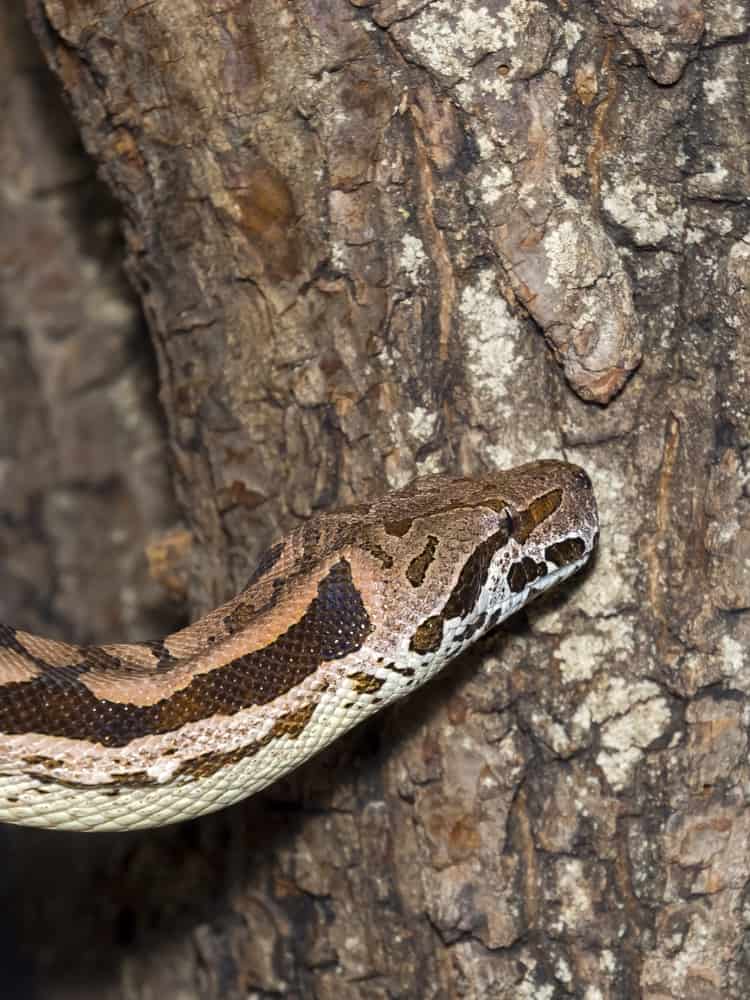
[
  {"x": 473, "y": 575},
  {"x": 524, "y": 572},
  {"x": 398, "y": 527},
  {"x": 496, "y": 617},
  {"x": 164, "y": 659},
  {"x": 472, "y": 628},
  {"x": 371, "y": 546},
  {"x": 57, "y": 703},
  {"x": 133, "y": 779},
  {"x": 403, "y": 671},
  {"x": 417, "y": 568},
  {"x": 365, "y": 683},
  {"x": 240, "y": 617},
  {"x": 428, "y": 636},
  {"x": 100, "y": 660},
  {"x": 525, "y": 521},
  {"x": 291, "y": 724},
  {"x": 209, "y": 763},
  {"x": 37, "y": 760},
  {"x": 569, "y": 550}
]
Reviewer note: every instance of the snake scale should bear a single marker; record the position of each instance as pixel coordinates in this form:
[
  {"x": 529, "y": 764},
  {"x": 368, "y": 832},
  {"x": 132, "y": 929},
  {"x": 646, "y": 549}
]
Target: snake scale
[{"x": 348, "y": 613}]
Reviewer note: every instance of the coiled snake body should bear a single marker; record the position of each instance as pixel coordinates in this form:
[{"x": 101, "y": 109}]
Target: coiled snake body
[{"x": 348, "y": 613}]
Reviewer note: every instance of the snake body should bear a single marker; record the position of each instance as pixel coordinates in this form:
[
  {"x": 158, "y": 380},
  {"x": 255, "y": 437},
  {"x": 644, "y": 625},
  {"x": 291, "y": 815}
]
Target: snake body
[{"x": 348, "y": 613}]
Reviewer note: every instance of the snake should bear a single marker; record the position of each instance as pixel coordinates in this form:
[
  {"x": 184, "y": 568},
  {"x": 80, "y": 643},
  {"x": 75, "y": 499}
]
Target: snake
[{"x": 349, "y": 612}]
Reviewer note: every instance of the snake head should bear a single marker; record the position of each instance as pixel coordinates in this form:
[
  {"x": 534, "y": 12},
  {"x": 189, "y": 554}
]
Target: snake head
[{"x": 446, "y": 559}]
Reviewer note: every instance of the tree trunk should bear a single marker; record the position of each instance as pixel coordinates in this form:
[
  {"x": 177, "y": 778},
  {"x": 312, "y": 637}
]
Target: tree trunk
[{"x": 375, "y": 239}]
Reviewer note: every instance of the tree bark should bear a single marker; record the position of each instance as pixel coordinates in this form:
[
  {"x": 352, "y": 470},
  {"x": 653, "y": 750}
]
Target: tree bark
[{"x": 373, "y": 240}]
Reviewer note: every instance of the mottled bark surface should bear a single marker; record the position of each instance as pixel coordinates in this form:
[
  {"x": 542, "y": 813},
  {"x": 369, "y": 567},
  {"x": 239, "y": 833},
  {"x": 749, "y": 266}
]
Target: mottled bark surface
[{"x": 374, "y": 239}]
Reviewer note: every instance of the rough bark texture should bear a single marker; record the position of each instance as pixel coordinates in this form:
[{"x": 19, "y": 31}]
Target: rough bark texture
[{"x": 353, "y": 225}]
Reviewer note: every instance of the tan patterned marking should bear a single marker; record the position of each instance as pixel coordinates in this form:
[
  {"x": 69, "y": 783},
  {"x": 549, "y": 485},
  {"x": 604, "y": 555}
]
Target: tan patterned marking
[
  {"x": 132, "y": 655},
  {"x": 135, "y": 687},
  {"x": 57, "y": 654},
  {"x": 17, "y": 667}
]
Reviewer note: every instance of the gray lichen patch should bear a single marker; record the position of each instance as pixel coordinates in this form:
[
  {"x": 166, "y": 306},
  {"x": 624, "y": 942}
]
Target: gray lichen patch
[
  {"x": 497, "y": 363},
  {"x": 450, "y": 39},
  {"x": 631, "y": 716},
  {"x": 652, "y": 215}
]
